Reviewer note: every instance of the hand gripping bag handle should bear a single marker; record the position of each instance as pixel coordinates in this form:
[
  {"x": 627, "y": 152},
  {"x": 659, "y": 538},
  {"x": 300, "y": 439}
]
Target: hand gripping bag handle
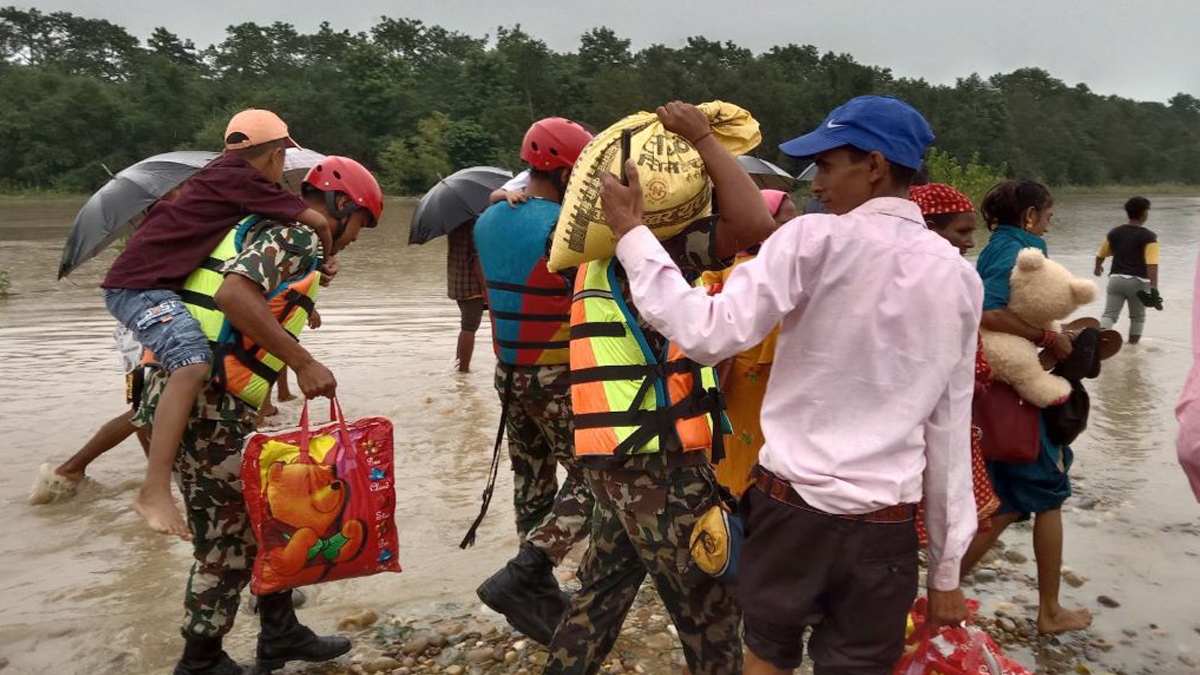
[{"x": 335, "y": 415}]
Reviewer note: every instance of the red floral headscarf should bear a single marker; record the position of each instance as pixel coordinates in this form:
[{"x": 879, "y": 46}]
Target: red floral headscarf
[{"x": 938, "y": 198}]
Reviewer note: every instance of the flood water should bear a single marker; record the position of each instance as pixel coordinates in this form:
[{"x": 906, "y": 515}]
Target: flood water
[{"x": 87, "y": 588}]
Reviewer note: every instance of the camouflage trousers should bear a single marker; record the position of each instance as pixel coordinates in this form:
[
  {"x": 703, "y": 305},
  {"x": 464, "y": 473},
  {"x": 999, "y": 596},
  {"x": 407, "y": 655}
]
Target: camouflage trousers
[
  {"x": 644, "y": 517},
  {"x": 208, "y": 472},
  {"x": 541, "y": 435}
]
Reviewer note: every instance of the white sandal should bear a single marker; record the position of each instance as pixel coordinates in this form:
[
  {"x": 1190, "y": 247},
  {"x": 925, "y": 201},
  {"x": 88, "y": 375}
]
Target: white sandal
[{"x": 50, "y": 486}]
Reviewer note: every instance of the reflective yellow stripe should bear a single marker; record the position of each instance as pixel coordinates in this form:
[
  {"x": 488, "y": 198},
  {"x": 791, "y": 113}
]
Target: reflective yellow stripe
[
  {"x": 596, "y": 296},
  {"x": 204, "y": 283}
]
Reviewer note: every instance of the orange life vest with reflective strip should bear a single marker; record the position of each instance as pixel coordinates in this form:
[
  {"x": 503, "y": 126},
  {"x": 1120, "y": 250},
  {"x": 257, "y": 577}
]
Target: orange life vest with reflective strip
[
  {"x": 625, "y": 398},
  {"x": 240, "y": 366}
]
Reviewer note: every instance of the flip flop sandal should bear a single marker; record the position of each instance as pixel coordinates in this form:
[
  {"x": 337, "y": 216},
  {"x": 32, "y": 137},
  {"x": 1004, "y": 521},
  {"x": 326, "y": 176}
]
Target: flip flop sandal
[
  {"x": 1110, "y": 343},
  {"x": 49, "y": 486}
]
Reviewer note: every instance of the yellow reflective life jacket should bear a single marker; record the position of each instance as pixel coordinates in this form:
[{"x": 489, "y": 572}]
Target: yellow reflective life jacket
[
  {"x": 625, "y": 398},
  {"x": 241, "y": 367}
]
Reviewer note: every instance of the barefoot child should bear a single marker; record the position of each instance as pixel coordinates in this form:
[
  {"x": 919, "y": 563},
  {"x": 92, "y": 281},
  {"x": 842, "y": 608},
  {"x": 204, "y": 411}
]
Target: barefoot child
[
  {"x": 1019, "y": 212},
  {"x": 142, "y": 289}
]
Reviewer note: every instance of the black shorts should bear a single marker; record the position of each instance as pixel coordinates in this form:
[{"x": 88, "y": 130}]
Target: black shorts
[
  {"x": 852, "y": 582},
  {"x": 472, "y": 314}
]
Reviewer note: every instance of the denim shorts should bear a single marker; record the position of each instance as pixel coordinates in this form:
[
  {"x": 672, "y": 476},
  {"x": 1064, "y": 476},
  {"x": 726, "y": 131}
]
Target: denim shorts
[{"x": 162, "y": 324}]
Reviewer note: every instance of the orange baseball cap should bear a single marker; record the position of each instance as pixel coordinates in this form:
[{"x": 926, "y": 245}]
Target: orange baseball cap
[{"x": 258, "y": 126}]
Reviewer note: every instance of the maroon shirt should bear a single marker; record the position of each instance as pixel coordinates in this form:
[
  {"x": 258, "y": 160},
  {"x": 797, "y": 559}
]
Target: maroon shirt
[{"x": 175, "y": 237}]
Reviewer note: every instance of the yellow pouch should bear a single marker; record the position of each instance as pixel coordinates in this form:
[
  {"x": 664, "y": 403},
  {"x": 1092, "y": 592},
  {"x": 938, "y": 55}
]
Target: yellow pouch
[
  {"x": 716, "y": 542},
  {"x": 673, "y": 178}
]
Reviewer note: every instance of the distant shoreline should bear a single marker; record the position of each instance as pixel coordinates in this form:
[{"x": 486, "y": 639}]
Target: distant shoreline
[
  {"x": 1116, "y": 190},
  {"x": 8, "y": 196}
]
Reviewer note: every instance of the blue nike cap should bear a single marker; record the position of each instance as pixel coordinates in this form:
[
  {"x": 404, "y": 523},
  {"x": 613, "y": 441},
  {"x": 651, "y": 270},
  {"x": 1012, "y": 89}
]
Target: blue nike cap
[{"x": 869, "y": 123}]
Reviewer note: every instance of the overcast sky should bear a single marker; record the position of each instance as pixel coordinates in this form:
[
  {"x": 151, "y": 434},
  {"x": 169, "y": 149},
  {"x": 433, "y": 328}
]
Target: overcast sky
[{"x": 1147, "y": 50}]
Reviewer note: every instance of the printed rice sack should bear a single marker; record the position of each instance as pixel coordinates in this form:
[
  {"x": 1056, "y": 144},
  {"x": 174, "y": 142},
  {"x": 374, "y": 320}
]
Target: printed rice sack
[
  {"x": 674, "y": 182},
  {"x": 321, "y": 502}
]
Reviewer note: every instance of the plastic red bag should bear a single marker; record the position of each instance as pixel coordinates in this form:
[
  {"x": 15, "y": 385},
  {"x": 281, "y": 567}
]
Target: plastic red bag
[
  {"x": 964, "y": 650},
  {"x": 321, "y": 501}
]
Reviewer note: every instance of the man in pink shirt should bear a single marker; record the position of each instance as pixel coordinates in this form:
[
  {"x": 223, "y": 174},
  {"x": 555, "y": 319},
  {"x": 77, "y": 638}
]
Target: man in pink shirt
[
  {"x": 869, "y": 402},
  {"x": 1188, "y": 410}
]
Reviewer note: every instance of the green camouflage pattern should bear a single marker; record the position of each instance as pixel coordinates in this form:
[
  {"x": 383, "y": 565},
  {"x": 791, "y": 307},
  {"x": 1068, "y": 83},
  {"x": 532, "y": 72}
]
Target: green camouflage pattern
[
  {"x": 208, "y": 473},
  {"x": 208, "y": 466},
  {"x": 644, "y": 516},
  {"x": 541, "y": 436},
  {"x": 273, "y": 254}
]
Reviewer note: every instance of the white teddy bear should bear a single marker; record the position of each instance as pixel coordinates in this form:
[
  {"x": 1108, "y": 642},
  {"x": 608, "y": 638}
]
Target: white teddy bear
[{"x": 1042, "y": 293}]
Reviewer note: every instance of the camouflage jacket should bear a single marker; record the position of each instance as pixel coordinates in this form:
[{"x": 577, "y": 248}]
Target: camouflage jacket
[{"x": 272, "y": 254}]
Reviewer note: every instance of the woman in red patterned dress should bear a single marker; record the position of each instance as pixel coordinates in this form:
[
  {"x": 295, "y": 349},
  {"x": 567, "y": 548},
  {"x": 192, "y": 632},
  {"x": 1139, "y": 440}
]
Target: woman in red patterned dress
[{"x": 951, "y": 214}]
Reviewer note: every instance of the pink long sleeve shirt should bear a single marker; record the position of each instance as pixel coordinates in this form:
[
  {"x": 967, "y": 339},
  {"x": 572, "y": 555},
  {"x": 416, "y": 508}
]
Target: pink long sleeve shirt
[
  {"x": 1188, "y": 410},
  {"x": 869, "y": 403}
]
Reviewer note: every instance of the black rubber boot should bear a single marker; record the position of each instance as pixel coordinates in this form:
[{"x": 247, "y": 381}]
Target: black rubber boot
[
  {"x": 284, "y": 639},
  {"x": 204, "y": 656},
  {"x": 527, "y": 594}
]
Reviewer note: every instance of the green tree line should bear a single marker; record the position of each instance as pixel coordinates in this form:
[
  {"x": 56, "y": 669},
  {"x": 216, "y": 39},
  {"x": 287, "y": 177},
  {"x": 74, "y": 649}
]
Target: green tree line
[{"x": 416, "y": 101}]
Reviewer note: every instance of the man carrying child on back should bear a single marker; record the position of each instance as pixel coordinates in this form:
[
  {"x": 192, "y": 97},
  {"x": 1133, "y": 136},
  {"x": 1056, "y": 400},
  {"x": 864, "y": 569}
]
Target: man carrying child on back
[{"x": 143, "y": 286}]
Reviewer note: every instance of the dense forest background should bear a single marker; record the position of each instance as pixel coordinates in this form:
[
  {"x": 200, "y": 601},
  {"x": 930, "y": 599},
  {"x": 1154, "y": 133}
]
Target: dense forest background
[{"x": 417, "y": 101}]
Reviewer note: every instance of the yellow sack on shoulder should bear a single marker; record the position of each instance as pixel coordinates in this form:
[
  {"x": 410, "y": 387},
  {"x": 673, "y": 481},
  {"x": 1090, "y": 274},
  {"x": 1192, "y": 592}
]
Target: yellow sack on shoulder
[{"x": 674, "y": 182}]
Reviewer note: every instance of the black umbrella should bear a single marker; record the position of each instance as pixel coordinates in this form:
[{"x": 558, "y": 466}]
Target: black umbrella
[
  {"x": 766, "y": 175},
  {"x": 109, "y": 212},
  {"x": 456, "y": 199}
]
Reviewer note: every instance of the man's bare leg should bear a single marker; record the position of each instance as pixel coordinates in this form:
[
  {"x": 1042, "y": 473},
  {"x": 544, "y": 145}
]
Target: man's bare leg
[
  {"x": 108, "y": 436},
  {"x": 466, "y": 347}
]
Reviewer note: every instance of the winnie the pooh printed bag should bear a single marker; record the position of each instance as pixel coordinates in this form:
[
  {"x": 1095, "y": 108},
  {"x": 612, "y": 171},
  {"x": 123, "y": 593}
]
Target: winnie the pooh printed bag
[{"x": 321, "y": 501}]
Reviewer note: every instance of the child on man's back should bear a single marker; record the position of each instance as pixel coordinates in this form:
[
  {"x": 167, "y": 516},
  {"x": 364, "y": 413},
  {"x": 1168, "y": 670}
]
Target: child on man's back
[{"x": 142, "y": 288}]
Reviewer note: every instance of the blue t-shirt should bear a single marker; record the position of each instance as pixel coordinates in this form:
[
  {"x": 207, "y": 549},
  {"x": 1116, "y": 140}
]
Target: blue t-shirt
[
  {"x": 997, "y": 260},
  {"x": 995, "y": 266}
]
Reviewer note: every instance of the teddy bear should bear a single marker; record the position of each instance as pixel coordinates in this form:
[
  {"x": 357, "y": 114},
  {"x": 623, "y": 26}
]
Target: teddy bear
[
  {"x": 1041, "y": 293},
  {"x": 308, "y": 499}
]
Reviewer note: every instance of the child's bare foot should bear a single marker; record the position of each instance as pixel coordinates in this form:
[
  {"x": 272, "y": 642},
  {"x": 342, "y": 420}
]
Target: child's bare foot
[
  {"x": 285, "y": 396},
  {"x": 269, "y": 410},
  {"x": 160, "y": 512},
  {"x": 1062, "y": 620}
]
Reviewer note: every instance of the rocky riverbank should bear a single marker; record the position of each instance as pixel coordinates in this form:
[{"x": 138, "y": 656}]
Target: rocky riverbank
[
  {"x": 469, "y": 639},
  {"x": 474, "y": 641}
]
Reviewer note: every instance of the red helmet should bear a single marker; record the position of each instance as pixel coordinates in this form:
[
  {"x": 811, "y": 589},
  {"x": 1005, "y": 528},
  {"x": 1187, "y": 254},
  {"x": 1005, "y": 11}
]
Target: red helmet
[
  {"x": 342, "y": 174},
  {"x": 554, "y": 143}
]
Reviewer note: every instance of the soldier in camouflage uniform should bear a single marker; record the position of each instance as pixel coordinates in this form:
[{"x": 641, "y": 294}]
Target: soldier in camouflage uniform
[
  {"x": 648, "y": 504},
  {"x": 540, "y": 438},
  {"x": 529, "y": 309},
  {"x": 208, "y": 466}
]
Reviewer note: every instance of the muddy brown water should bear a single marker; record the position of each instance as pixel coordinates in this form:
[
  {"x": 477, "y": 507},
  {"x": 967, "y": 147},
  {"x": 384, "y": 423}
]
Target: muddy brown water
[{"x": 85, "y": 587}]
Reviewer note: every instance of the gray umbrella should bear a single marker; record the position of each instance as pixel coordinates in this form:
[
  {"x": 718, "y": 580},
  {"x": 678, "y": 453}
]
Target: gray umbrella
[
  {"x": 766, "y": 175},
  {"x": 109, "y": 212}
]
